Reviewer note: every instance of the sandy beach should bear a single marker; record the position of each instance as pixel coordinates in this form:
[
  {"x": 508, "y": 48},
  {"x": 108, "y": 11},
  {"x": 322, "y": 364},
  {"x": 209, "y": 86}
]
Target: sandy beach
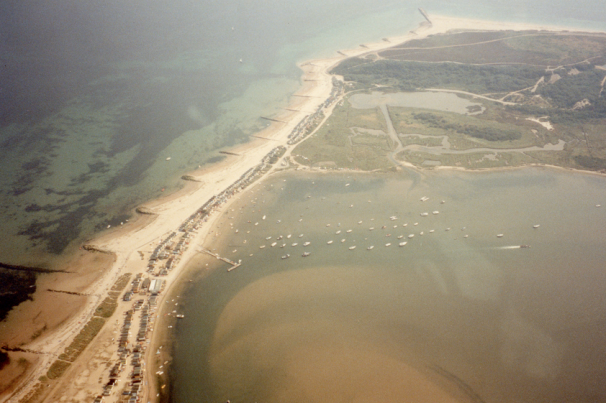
[{"x": 127, "y": 250}]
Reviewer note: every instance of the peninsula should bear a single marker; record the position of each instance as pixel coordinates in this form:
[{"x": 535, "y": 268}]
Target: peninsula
[{"x": 349, "y": 114}]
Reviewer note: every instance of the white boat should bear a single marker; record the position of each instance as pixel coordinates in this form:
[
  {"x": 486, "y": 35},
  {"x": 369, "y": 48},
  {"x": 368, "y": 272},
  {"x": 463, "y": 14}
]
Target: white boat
[
  {"x": 465, "y": 236},
  {"x": 301, "y": 236},
  {"x": 329, "y": 242},
  {"x": 402, "y": 243},
  {"x": 274, "y": 244},
  {"x": 328, "y": 225},
  {"x": 435, "y": 212},
  {"x": 400, "y": 236},
  {"x": 306, "y": 254},
  {"x": 359, "y": 222},
  {"x": 268, "y": 238},
  {"x": 342, "y": 240},
  {"x": 286, "y": 256},
  {"x": 424, "y": 214},
  {"x": 405, "y": 225},
  {"x": 393, "y": 218},
  {"x": 499, "y": 235},
  {"x": 283, "y": 245},
  {"x": 371, "y": 247},
  {"x": 295, "y": 244},
  {"x": 348, "y": 231},
  {"x": 387, "y": 235},
  {"x": 338, "y": 232},
  {"x": 411, "y": 236},
  {"x": 264, "y": 217},
  {"x": 416, "y": 223},
  {"x": 262, "y": 247},
  {"x": 307, "y": 243},
  {"x": 280, "y": 237},
  {"x": 371, "y": 228},
  {"x": 347, "y": 184},
  {"x": 352, "y": 247},
  {"x": 288, "y": 236},
  {"x": 424, "y": 198},
  {"x": 536, "y": 226},
  {"x": 421, "y": 233},
  {"x": 431, "y": 231},
  {"x": 388, "y": 244}
]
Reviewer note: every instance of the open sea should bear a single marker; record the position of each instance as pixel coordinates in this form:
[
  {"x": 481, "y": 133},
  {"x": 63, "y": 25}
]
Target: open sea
[{"x": 95, "y": 96}]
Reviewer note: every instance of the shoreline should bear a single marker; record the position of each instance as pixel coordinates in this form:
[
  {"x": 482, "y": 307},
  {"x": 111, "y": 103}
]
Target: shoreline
[{"x": 172, "y": 210}]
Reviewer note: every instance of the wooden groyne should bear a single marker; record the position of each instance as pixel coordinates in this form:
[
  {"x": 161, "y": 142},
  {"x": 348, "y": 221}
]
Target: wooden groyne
[
  {"x": 424, "y": 14},
  {"x": 233, "y": 264},
  {"x": 229, "y": 153},
  {"x": 273, "y": 120}
]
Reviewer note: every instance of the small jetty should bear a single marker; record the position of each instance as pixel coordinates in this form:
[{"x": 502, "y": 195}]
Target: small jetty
[{"x": 234, "y": 265}]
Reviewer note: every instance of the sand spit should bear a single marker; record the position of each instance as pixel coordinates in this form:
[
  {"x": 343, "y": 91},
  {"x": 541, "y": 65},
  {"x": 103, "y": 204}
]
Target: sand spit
[{"x": 175, "y": 226}]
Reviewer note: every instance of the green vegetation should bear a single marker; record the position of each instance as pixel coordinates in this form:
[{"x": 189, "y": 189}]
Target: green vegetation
[
  {"x": 409, "y": 76},
  {"x": 473, "y": 130},
  {"x": 57, "y": 369},
  {"x": 81, "y": 341},
  {"x": 107, "y": 308},
  {"x": 351, "y": 138},
  {"x": 90, "y": 330}
]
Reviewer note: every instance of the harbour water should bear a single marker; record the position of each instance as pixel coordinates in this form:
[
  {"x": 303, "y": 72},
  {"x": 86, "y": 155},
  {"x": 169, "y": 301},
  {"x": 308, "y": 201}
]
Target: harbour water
[{"x": 457, "y": 311}]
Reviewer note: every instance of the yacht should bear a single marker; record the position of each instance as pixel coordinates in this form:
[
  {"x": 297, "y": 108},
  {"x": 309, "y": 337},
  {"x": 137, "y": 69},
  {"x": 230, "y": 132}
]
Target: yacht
[
  {"x": 388, "y": 244},
  {"x": 499, "y": 235},
  {"x": 274, "y": 244},
  {"x": 402, "y": 243},
  {"x": 435, "y": 212},
  {"x": 536, "y": 226},
  {"x": 352, "y": 247},
  {"x": 329, "y": 242},
  {"x": 411, "y": 236}
]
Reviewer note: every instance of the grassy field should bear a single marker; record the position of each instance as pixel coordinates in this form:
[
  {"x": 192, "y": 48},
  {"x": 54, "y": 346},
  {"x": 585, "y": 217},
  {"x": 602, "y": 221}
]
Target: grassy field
[{"x": 351, "y": 138}]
